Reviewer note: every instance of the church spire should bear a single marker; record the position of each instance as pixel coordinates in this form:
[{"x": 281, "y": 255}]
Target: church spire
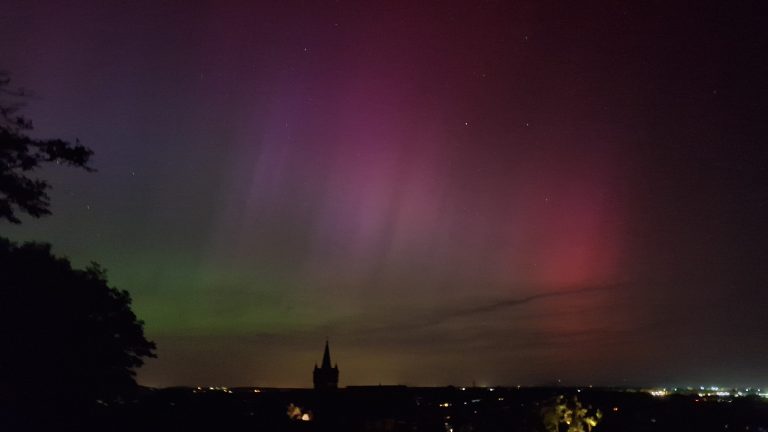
[
  {"x": 326, "y": 377},
  {"x": 326, "y": 357}
]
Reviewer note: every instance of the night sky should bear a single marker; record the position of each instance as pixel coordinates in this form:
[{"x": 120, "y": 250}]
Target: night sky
[{"x": 499, "y": 192}]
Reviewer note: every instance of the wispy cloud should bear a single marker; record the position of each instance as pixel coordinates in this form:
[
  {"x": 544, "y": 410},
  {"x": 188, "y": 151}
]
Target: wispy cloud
[
  {"x": 520, "y": 301},
  {"x": 423, "y": 320}
]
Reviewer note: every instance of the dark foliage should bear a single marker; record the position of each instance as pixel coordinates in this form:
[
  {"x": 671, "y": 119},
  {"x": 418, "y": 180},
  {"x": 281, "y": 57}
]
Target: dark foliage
[
  {"x": 20, "y": 155},
  {"x": 408, "y": 409},
  {"x": 67, "y": 336}
]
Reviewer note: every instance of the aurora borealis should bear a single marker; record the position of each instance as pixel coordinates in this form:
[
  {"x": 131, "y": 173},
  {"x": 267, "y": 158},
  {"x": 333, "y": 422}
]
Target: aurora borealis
[{"x": 499, "y": 192}]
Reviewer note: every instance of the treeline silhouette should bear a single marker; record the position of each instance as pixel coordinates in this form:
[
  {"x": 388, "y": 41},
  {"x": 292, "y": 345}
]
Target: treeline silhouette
[{"x": 70, "y": 342}]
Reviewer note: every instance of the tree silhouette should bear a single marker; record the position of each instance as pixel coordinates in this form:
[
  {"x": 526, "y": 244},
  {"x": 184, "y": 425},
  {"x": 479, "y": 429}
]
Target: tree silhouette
[
  {"x": 69, "y": 341},
  {"x": 569, "y": 415},
  {"x": 20, "y": 155},
  {"x": 66, "y": 334}
]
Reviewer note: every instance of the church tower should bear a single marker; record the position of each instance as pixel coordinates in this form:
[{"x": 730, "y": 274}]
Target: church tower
[{"x": 326, "y": 377}]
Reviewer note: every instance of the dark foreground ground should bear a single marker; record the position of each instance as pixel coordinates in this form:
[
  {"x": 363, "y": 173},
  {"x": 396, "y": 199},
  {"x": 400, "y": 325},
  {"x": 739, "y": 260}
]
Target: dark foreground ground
[{"x": 406, "y": 409}]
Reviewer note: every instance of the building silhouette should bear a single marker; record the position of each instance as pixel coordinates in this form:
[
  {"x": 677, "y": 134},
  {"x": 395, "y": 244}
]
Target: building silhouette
[{"x": 326, "y": 377}]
